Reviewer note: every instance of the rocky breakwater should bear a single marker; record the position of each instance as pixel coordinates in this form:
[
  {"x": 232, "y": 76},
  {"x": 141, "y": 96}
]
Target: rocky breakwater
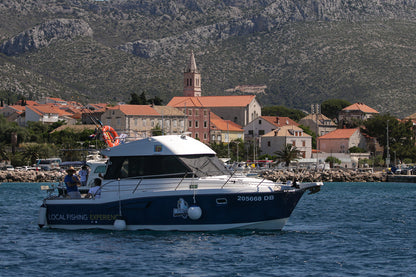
[
  {"x": 30, "y": 176},
  {"x": 325, "y": 176}
]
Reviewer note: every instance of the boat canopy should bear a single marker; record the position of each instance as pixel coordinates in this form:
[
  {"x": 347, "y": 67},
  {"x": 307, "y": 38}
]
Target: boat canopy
[{"x": 159, "y": 145}]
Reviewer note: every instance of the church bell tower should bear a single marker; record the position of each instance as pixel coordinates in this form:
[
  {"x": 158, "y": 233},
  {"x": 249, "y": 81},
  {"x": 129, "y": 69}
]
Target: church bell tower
[{"x": 191, "y": 79}]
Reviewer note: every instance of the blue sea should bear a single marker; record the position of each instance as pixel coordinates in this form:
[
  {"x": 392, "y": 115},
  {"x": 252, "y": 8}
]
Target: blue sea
[{"x": 347, "y": 229}]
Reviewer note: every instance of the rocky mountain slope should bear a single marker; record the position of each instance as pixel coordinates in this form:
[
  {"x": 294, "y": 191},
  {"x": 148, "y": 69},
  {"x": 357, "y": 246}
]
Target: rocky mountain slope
[{"x": 304, "y": 51}]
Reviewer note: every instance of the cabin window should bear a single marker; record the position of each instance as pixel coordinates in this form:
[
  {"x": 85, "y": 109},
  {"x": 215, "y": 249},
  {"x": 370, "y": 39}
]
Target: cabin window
[
  {"x": 164, "y": 166},
  {"x": 125, "y": 167}
]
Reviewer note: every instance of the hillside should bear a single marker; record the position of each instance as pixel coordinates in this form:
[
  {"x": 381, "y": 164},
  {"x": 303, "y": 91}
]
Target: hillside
[{"x": 304, "y": 51}]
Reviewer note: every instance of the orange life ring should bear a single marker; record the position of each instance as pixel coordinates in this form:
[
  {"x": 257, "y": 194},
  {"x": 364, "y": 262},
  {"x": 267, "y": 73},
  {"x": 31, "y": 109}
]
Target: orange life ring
[{"x": 110, "y": 136}]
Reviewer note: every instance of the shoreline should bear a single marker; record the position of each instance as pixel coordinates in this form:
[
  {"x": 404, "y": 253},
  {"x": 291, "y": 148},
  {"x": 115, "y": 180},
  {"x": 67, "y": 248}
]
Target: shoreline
[{"x": 334, "y": 175}]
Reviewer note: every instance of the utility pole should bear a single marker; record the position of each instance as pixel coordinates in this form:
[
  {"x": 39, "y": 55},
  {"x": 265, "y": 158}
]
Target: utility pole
[{"x": 388, "y": 149}]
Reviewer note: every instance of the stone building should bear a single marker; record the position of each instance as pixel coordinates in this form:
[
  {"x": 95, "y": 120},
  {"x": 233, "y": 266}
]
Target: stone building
[{"x": 138, "y": 121}]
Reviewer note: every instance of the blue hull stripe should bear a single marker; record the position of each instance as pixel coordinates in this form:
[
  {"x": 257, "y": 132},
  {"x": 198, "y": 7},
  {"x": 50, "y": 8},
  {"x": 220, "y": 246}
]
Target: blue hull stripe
[{"x": 158, "y": 211}]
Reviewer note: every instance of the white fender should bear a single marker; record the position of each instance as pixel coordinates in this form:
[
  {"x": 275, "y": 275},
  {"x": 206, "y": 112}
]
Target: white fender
[
  {"x": 42, "y": 216},
  {"x": 194, "y": 212},
  {"x": 120, "y": 224}
]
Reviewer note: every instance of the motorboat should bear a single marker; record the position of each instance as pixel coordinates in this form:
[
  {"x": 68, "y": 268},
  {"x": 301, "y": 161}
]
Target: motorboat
[{"x": 174, "y": 182}]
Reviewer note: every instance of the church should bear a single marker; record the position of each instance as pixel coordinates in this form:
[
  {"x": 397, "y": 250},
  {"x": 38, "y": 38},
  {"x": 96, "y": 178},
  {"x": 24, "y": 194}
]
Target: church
[{"x": 240, "y": 109}]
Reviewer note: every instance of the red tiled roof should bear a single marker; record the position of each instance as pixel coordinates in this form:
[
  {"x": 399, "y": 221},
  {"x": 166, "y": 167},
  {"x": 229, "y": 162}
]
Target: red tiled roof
[
  {"x": 18, "y": 108},
  {"x": 135, "y": 109},
  {"x": 286, "y": 131},
  {"x": 48, "y": 108},
  {"x": 339, "y": 134},
  {"x": 280, "y": 121},
  {"x": 211, "y": 101},
  {"x": 56, "y": 99},
  {"x": 360, "y": 107},
  {"x": 224, "y": 125}
]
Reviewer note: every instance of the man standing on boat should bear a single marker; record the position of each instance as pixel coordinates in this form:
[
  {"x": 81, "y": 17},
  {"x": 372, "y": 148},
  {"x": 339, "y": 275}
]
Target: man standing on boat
[
  {"x": 83, "y": 174},
  {"x": 72, "y": 182}
]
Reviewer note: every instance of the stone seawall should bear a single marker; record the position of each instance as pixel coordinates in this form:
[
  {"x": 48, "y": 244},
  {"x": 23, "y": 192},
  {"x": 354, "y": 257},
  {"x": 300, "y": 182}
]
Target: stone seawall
[
  {"x": 31, "y": 176},
  {"x": 325, "y": 176},
  {"x": 279, "y": 176}
]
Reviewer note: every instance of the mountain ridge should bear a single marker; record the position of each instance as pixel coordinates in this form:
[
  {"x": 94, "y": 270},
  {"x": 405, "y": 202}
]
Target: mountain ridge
[{"x": 304, "y": 51}]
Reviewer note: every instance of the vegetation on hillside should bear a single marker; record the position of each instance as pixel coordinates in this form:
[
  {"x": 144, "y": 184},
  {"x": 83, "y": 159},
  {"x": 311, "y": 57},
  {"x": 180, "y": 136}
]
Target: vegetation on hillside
[
  {"x": 23, "y": 145},
  {"x": 302, "y": 60}
]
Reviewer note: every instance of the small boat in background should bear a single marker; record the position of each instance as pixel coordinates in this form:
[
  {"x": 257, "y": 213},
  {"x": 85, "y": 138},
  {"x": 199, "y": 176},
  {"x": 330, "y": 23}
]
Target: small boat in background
[{"x": 174, "y": 183}]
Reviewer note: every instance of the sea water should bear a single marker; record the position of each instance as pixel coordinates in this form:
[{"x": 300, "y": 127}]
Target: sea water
[{"x": 347, "y": 229}]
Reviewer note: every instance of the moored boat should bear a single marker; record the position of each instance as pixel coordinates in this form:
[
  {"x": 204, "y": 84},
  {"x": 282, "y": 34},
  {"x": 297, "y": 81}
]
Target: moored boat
[{"x": 174, "y": 183}]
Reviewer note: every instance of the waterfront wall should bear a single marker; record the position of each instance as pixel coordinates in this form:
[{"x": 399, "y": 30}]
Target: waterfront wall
[
  {"x": 275, "y": 175},
  {"x": 325, "y": 176},
  {"x": 31, "y": 176}
]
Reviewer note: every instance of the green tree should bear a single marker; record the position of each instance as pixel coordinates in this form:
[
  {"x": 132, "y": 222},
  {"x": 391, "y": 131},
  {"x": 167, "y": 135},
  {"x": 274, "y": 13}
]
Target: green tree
[
  {"x": 332, "y": 107},
  {"x": 331, "y": 160},
  {"x": 288, "y": 154},
  {"x": 401, "y": 139},
  {"x": 155, "y": 101},
  {"x": 356, "y": 149},
  {"x": 157, "y": 131},
  {"x": 138, "y": 100},
  {"x": 283, "y": 111}
]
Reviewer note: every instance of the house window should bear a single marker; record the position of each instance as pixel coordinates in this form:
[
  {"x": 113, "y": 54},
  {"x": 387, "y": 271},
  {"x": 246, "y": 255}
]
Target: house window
[
  {"x": 196, "y": 112},
  {"x": 135, "y": 121},
  {"x": 175, "y": 123},
  {"x": 250, "y": 132},
  {"x": 294, "y": 143},
  {"x": 190, "y": 124},
  {"x": 269, "y": 144},
  {"x": 303, "y": 143},
  {"x": 190, "y": 112},
  {"x": 196, "y": 124},
  {"x": 205, "y": 124},
  {"x": 260, "y": 121},
  {"x": 213, "y": 138},
  {"x": 196, "y": 135},
  {"x": 205, "y": 112},
  {"x": 261, "y": 132},
  {"x": 205, "y": 136}
]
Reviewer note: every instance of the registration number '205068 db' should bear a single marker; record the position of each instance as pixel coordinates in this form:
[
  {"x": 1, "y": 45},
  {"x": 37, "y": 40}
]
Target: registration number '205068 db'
[{"x": 255, "y": 198}]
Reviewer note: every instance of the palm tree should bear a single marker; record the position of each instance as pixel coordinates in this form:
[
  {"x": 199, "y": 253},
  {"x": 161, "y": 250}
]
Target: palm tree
[{"x": 287, "y": 154}]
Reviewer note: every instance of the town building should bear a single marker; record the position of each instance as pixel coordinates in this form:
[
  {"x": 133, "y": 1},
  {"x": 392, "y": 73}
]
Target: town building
[
  {"x": 224, "y": 130},
  {"x": 192, "y": 79},
  {"x": 341, "y": 140},
  {"x": 354, "y": 114},
  {"x": 277, "y": 140},
  {"x": 47, "y": 114},
  {"x": 318, "y": 123},
  {"x": 265, "y": 124},
  {"x": 239, "y": 109},
  {"x": 139, "y": 121}
]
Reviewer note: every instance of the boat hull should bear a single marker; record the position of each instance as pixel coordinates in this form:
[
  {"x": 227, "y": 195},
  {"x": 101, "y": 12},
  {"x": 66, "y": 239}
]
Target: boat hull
[{"x": 265, "y": 211}]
